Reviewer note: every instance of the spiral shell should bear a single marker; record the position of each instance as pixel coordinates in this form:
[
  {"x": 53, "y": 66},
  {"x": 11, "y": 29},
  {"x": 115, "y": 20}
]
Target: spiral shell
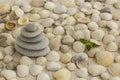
[
  {"x": 10, "y": 25},
  {"x": 23, "y": 20}
]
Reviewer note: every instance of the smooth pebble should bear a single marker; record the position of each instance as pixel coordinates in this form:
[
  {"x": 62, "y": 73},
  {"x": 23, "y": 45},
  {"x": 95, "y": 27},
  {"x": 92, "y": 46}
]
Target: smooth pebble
[
  {"x": 53, "y": 66},
  {"x": 36, "y": 69},
  {"x": 66, "y": 58},
  {"x": 53, "y": 56},
  {"x": 41, "y": 61},
  {"x": 82, "y": 72},
  {"x": 22, "y": 70},
  {"x": 43, "y": 76},
  {"x": 59, "y": 30},
  {"x": 71, "y": 66}
]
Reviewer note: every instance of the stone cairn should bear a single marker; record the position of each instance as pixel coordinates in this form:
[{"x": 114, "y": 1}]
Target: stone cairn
[{"x": 32, "y": 42}]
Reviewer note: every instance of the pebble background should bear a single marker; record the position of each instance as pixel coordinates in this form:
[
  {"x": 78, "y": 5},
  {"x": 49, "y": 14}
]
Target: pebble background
[{"x": 64, "y": 23}]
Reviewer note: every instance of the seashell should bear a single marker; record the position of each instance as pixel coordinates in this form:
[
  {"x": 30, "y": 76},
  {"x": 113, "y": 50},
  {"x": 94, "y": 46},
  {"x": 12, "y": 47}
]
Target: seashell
[
  {"x": 23, "y": 20},
  {"x": 19, "y": 12},
  {"x": 104, "y": 58},
  {"x": 34, "y": 17},
  {"x": 12, "y": 15},
  {"x": 114, "y": 69},
  {"x": 3, "y": 41},
  {"x": 4, "y": 8},
  {"x": 37, "y": 3},
  {"x": 10, "y": 25}
]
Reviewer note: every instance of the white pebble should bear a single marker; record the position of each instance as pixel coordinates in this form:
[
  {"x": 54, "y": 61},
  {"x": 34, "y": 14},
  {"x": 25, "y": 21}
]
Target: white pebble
[
  {"x": 26, "y": 8},
  {"x": 54, "y": 16},
  {"x": 78, "y": 46},
  {"x": 9, "y": 50},
  {"x": 95, "y": 17},
  {"x": 53, "y": 66},
  {"x": 92, "y": 26},
  {"x": 43, "y": 76},
  {"x": 36, "y": 69},
  {"x": 112, "y": 47},
  {"x": 53, "y": 56},
  {"x": 50, "y": 5},
  {"x": 48, "y": 22},
  {"x": 41, "y": 61},
  {"x": 80, "y": 27},
  {"x": 70, "y": 20},
  {"x": 105, "y": 76},
  {"x": 82, "y": 72},
  {"x": 87, "y": 34},
  {"x": 59, "y": 30},
  {"x": 44, "y": 13},
  {"x": 98, "y": 5},
  {"x": 78, "y": 35},
  {"x": 98, "y": 34},
  {"x": 26, "y": 60},
  {"x": 22, "y": 70},
  {"x": 114, "y": 32},
  {"x": 96, "y": 69},
  {"x": 64, "y": 48},
  {"x": 112, "y": 25},
  {"x": 67, "y": 39},
  {"x": 50, "y": 35},
  {"x": 8, "y": 74},
  {"x": 60, "y": 9},
  {"x": 108, "y": 39},
  {"x": 106, "y": 16},
  {"x": 71, "y": 66},
  {"x": 71, "y": 11},
  {"x": 19, "y": 12}
]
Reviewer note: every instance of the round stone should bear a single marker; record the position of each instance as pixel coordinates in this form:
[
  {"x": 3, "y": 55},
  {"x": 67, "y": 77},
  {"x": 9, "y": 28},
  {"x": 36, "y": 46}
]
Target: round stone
[
  {"x": 66, "y": 58},
  {"x": 82, "y": 72},
  {"x": 25, "y": 60},
  {"x": 53, "y": 56},
  {"x": 22, "y": 70},
  {"x": 59, "y": 30},
  {"x": 71, "y": 66},
  {"x": 9, "y": 50},
  {"x": 53, "y": 66},
  {"x": 36, "y": 69},
  {"x": 41, "y": 61},
  {"x": 43, "y": 76}
]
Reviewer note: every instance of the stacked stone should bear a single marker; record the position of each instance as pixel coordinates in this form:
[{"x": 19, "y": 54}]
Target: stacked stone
[{"x": 32, "y": 42}]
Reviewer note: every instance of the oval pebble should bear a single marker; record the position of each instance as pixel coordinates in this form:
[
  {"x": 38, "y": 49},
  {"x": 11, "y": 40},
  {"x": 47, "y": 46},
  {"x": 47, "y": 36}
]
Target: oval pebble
[
  {"x": 8, "y": 74},
  {"x": 53, "y": 66},
  {"x": 22, "y": 70},
  {"x": 9, "y": 50},
  {"x": 71, "y": 66},
  {"x": 36, "y": 69},
  {"x": 82, "y": 72},
  {"x": 66, "y": 58},
  {"x": 41, "y": 61},
  {"x": 53, "y": 56},
  {"x": 59, "y": 30},
  {"x": 43, "y": 76}
]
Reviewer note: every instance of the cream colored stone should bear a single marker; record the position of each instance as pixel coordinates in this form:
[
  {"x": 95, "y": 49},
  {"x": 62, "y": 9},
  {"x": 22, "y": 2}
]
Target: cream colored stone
[
  {"x": 25, "y": 60},
  {"x": 112, "y": 46},
  {"x": 63, "y": 74},
  {"x": 41, "y": 61},
  {"x": 8, "y": 74},
  {"x": 96, "y": 69},
  {"x": 53, "y": 66},
  {"x": 53, "y": 56},
  {"x": 66, "y": 58},
  {"x": 114, "y": 69},
  {"x": 105, "y": 58},
  {"x": 71, "y": 66}
]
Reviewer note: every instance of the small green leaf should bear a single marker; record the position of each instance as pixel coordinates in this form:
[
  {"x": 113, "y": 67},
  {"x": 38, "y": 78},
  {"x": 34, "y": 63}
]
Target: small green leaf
[
  {"x": 89, "y": 44},
  {"x": 84, "y": 41}
]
